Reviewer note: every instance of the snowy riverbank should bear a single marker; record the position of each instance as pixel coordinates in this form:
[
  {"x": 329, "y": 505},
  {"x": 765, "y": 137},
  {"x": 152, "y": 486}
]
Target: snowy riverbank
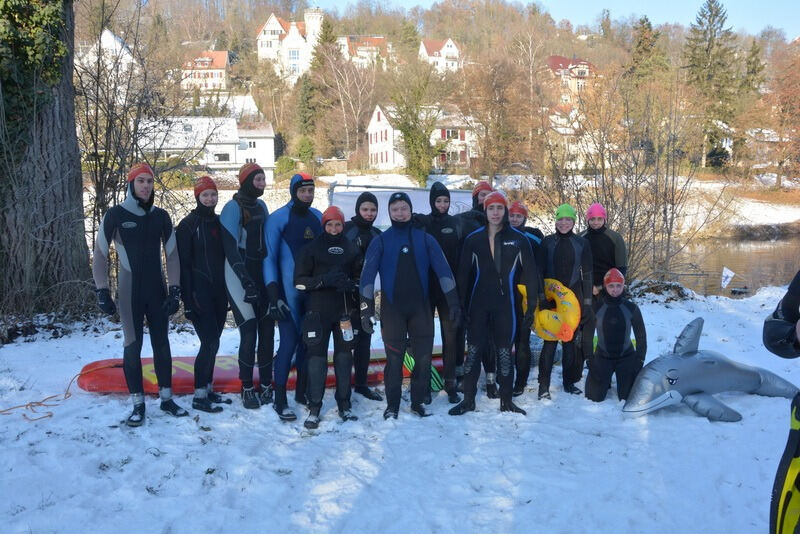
[{"x": 569, "y": 465}]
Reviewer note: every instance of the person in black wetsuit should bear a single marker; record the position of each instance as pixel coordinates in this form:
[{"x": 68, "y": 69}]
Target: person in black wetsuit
[
  {"x": 243, "y": 220},
  {"x": 205, "y": 302},
  {"x": 566, "y": 257},
  {"x": 781, "y": 333},
  {"x": 616, "y": 317},
  {"x": 360, "y": 230},
  {"x": 328, "y": 269},
  {"x": 517, "y": 216},
  {"x": 137, "y": 229},
  {"x": 403, "y": 256},
  {"x": 494, "y": 260},
  {"x": 446, "y": 230}
]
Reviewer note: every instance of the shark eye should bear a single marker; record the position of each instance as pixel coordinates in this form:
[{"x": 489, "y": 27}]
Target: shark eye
[
  {"x": 672, "y": 381},
  {"x": 672, "y": 377}
]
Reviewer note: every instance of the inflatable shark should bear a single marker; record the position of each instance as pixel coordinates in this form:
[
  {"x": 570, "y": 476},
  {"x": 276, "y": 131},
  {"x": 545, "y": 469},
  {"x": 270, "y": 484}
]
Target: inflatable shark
[{"x": 692, "y": 376}]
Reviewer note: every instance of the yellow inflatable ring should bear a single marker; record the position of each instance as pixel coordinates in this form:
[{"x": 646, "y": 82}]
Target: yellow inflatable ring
[{"x": 558, "y": 324}]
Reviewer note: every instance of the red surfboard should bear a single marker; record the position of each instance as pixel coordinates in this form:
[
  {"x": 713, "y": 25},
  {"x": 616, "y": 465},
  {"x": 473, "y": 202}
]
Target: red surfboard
[{"x": 106, "y": 376}]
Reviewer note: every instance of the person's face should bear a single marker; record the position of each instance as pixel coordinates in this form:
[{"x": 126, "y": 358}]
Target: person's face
[
  {"x": 564, "y": 225},
  {"x": 614, "y": 289},
  {"x": 494, "y": 213},
  {"x": 516, "y": 219},
  {"x": 595, "y": 223},
  {"x": 400, "y": 211},
  {"x": 143, "y": 186},
  {"x": 305, "y": 193},
  {"x": 368, "y": 211},
  {"x": 260, "y": 181},
  {"x": 209, "y": 198},
  {"x": 334, "y": 227},
  {"x": 482, "y": 196},
  {"x": 442, "y": 204}
]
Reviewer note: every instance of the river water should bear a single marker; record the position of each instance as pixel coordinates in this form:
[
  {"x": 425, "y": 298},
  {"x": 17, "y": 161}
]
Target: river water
[{"x": 756, "y": 264}]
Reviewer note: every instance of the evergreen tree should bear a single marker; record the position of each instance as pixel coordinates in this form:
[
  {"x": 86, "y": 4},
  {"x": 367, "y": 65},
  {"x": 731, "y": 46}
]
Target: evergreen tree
[
  {"x": 709, "y": 56},
  {"x": 327, "y": 38},
  {"x": 753, "y": 71},
  {"x": 605, "y": 24},
  {"x": 408, "y": 40},
  {"x": 646, "y": 57},
  {"x": 306, "y": 107}
]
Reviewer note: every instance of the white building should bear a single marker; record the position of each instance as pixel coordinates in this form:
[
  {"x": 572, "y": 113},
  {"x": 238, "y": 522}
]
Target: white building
[
  {"x": 290, "y": 45},
  {"x": 106, "y": 66},
  {"x": 364, "y": 50},
  {"x": 444, "y": 55},
  {"x": 573, "y": 75},
  {"x": 214, "y": 142},
  {"x": 208, "y": 72},
  {"x": 458, "y": 140}
]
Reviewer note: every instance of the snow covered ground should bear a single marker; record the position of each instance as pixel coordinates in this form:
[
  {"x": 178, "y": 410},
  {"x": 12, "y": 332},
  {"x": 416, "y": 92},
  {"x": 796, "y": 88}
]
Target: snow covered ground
[{"x": 569, "y": 465}]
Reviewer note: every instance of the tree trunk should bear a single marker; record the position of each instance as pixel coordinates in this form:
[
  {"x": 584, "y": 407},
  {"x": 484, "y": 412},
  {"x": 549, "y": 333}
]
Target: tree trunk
[{"x": 45, "y": 261}]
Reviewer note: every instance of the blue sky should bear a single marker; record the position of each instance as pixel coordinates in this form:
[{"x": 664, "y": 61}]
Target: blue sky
[{"x": 747, "y": 15}]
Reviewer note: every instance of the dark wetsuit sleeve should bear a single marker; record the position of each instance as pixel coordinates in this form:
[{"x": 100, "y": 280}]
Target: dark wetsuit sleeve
[
  {"x": 372, "y": 261},
  {"x": 530, "y": 273},
  {"x": 790, "y": 305},
  {"x": 586, "y": 272},
  {"x": 105, "y": 235},
  {"x": 230, "y": 220},
  {"x": 464, "y": 271},
  {"x": 356, "y": 265},
  {"x": 442, "y": 269},
  {"x": 639, "y": 333},
  {"x": 171, "y": 251},
  {"x": 304, "y": 269},
  {"x": 183, "y": 235}
]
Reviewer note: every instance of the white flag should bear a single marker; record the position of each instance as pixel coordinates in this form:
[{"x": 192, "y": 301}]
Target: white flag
[{"x": 727, "y": 276}]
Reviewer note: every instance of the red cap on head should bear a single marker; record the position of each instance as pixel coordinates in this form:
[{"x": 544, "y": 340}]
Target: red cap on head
[
  {"x": 248, "y": 170},
  {"x": 204, "y": 183},
  {"x": 140, "y": 168},
  {"x": 481, "y": 186},
  {"x": 518, "y": 207},
  {"x": 333, "y": 213},
  {"x": 495, "y": 197},
  {"x": 613, "y": 275}
]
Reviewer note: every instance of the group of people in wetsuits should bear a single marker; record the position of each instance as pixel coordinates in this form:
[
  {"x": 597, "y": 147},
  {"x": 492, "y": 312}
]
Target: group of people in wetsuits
[{"x": 314, "y": 274}]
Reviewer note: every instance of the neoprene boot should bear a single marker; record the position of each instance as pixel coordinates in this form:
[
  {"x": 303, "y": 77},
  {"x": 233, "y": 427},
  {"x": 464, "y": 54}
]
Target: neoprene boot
[{"x": 281, "y": 406}]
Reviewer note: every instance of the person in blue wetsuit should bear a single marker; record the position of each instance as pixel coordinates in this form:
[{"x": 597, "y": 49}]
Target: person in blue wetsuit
[
  {"x": 361, "y": 230},
  {"x": 137, "y": 230},
  {"x": 517, "y": 216},
  {"x": 403, "y": 256},
  {"x": 495, "y": 258},
  {"x": 288, "y": 230},
  {"x": 205, "y": 303},
  {"x": 243, "y": 220}
]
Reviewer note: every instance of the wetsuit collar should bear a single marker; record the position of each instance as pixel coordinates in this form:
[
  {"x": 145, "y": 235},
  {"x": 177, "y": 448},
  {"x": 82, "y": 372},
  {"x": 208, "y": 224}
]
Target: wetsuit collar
[
  {"x": 132, "y": 204},
  {"x": 329, "y": 239},
  {"x": 361, "y": 222},
  {"x": 204, "y": 211},
  {"x": 401, "y": 225},
  {"x": 598, "y": 231},
  {"x": 247, "y": 189},
  {"x": 299, "y": 207}
]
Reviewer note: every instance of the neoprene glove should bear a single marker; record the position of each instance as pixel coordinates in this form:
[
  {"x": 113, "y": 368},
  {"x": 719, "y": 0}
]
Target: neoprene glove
[
  {"x": 367, "y": 316},
  {"x": 105, "y": 302},
  {"x": 250, "y": 292},
  {"x": 333, "y": 279},
  {"x": 527, "y": 320},
  {"x": 173, "y": 301},
  {"x": 190, "y": 314},
  {"x": 277, "y": 310},
  {"x": 345, "y": 285}
]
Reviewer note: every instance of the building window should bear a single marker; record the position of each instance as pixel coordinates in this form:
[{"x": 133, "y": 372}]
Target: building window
[
  {"x": 582, "y": 72},
  {"x": 452, "y": 134},
  {"x": 187, "y": 127},
  {"x": 294, "y": 54},
  {"x": 251, "y": 144},
  {"x": 274, "y": 32},
  {"x": 293, "y": 68},
  {"x": 581, "y": 85},
  {"x": 379, "y": 116},
  {"x": 222, "y": 156}
]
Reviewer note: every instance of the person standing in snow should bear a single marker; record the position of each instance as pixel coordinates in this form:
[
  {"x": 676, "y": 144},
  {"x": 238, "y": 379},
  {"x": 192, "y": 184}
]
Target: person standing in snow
[
  {"x": 404, "y": 256},
  {"x": 288, "y": 230},
  {"x": 616, "y": 318},
  {"x": 517, "y": 216},
  {"x": 781, "y": 333},
  {"x": 138, "y": 229},
  {"x": 566, "y": 257},
  {"x": 494, "y": 260},
  {"x": 243, "y": 219},
  {"x": 328, "y": 269},
  {"x": 360, "y": 230},
  {"x": 205, "y": 303}
]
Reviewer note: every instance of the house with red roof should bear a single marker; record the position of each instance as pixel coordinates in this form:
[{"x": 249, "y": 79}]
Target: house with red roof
[
  {"x": 365, "y": 50},
  {"x": 444, "y": 54},
  {"x": 290, "y": 44},
  {"x": 208, "y": 72},
  {"x": 573, "y": 75}
]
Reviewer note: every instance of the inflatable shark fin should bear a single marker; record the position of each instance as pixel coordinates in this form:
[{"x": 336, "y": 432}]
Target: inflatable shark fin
[
  {"x": 784, "y": 510},
  {"x": 689, "y": 338},
  {"x": 707, "y": 406}
]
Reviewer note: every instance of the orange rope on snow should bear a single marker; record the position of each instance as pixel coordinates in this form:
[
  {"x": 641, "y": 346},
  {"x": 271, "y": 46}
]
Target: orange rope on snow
[{"x": 51, "y": 401}]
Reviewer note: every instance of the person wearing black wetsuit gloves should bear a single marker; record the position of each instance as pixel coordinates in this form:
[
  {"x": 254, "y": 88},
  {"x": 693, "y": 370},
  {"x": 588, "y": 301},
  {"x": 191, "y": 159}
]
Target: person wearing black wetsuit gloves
[
  {"x": 360, "y": 230},
  {"x": 137, "y": 229},
  {"x": 403, "y": 256},
  {"x": 327, "y": 269},
  {"x": 616, "y": 318},
  {"x": 205, "y": 302},
  {"x": 517, "y": 215},
  {"x": 781, "y": 333},
  {"x": 494, "y": 260},
  {"x": 243, "y": 220},
  {"x": 566, "y": 257},
  {"x": 446, "y": 230}
]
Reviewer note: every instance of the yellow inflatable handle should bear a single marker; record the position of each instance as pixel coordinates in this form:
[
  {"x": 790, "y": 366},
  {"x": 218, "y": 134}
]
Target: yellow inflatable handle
[{"x": 559, "y": 324}]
